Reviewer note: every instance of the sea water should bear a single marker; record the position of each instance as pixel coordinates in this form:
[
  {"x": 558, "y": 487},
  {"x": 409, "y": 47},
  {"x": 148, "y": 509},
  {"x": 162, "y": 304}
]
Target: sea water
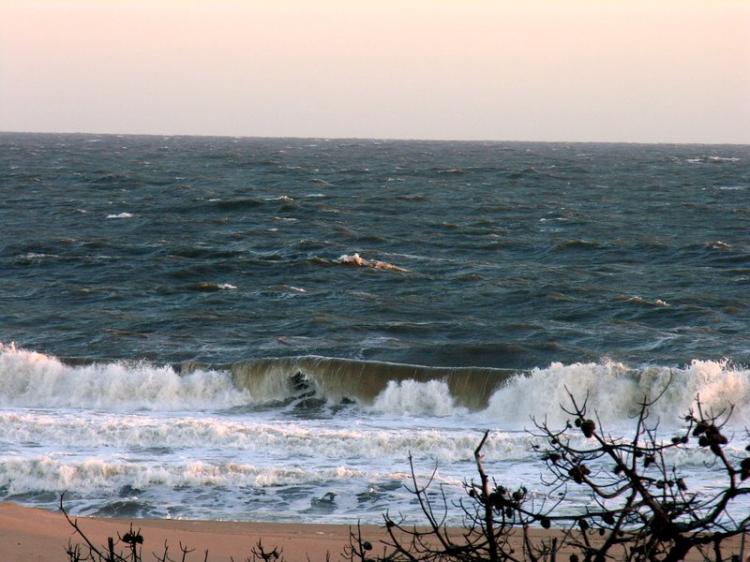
[{"x": 227, "y": 328}]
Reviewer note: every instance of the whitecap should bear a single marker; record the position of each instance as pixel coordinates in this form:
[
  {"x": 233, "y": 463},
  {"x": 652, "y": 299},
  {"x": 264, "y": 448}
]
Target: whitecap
[
  {"x": 207, "y": 287},
  {"x": 56, "y": 473},
  {"x": 615, "y": 392},
  {"x": 33, "y": 379},
  {"x": 358, "y": 261},
  {"x": 410, "y": 397},
  {"x": 636, "y": 299},
  {"x": 34, "y": 256},
  {"x": 281, "y": 198}
]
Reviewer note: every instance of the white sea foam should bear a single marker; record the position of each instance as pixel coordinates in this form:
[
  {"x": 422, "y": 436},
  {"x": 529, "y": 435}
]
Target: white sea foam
[
  {"x": 36, "y": 256},
  {"x": 635, "y": 299},
  {"x": 152, "y": 429},
  {"x": 120, "y": 216},
  {"x": 156, "y": 435},
  {"x": 703, "y": 159},
  {"x": 53, "y": 473},
  {"x": 417, "y": 398},
  {"x": 33, "y": 379},
  {"x": 30, "y": 379},
  {"x": 615, "y": 391},
  {"x": 281, "y": 198},
  {"x": 358, "y": 261}
]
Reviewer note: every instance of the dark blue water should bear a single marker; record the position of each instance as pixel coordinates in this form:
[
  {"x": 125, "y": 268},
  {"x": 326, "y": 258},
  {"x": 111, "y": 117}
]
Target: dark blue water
[
  {"x": 613, "y": 269},
  {"x": 221, "y": 250}
]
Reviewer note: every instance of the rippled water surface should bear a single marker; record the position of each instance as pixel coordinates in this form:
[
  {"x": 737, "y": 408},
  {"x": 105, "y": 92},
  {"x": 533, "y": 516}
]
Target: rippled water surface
[{"x": 231, "y": 328}]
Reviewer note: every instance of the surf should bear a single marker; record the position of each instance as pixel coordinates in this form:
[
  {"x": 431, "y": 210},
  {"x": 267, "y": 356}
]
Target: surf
[{"x": 312, "y": 383}]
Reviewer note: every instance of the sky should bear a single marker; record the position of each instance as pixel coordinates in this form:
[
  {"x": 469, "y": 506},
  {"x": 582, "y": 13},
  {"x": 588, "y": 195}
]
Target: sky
[{"x": 538, "y": 70}]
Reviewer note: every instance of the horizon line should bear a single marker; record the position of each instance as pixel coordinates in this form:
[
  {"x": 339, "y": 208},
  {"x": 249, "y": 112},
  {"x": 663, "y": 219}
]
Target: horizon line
[{"x": 383, "y": 139}]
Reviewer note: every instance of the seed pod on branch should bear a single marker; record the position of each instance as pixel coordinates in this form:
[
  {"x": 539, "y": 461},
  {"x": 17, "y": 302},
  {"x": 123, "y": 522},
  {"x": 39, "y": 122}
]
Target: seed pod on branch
[
  {"x": 578, "y": 473},
  {"x": 700, "y": 428},
  {"x": 745, "y": 468},
  {"x": 588, "y": 427}
]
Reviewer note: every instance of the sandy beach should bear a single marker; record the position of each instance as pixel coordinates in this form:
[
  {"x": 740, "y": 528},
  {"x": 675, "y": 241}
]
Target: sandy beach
[{"x": 35, "y": 535}]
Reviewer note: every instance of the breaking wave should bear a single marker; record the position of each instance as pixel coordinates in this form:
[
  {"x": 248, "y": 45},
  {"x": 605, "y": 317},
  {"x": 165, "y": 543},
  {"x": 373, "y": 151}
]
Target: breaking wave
[
  {"x": 370, "y": 383},
  {"x": 355, "y": 260},
  {"x": 501, "y": 396},
  {"x": 49, "y": 473},
  {"x": 154, "y": 435},
  {"x": 615, "y": 391},
  {"x": 31, "y": 379}
]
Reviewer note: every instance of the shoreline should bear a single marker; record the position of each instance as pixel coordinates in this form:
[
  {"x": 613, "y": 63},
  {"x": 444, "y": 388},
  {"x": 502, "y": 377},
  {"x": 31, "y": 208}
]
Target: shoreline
[
  {"x": 32, "y": 534},
  {"x": 29, "y": 534}
]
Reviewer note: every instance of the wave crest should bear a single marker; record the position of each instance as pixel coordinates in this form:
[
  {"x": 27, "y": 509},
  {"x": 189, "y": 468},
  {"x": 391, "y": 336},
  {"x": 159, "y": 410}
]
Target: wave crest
[
  {"x": 432, "y": 398},
  {"x": 503, "y": 397},
  {"x": 616, "y": 391},
  {"x": 31, "y": 379}
]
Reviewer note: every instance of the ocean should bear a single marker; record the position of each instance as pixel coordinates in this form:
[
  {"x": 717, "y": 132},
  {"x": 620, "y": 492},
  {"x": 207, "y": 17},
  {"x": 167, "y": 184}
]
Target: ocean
[{"x": 233, "y": 328}]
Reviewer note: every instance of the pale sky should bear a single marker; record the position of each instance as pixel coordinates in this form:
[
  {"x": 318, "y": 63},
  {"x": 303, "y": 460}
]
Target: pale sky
[{"x": 575, "y": 70}]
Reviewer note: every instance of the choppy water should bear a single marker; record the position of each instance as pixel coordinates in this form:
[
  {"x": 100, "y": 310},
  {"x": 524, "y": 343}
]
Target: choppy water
[{"x": 164, "y": 293}]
